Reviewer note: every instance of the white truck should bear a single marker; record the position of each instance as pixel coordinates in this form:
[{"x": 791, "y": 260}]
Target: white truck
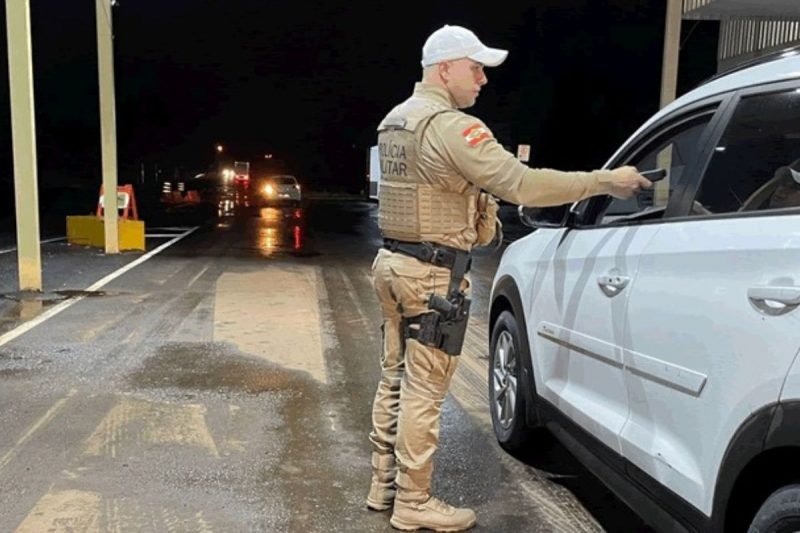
[
  {"x": 373, "y": 173},
  {"x": 241, "y": 171}
]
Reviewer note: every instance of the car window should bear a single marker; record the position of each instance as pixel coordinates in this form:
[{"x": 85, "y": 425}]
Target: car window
[
  {"x": 285, "y": 180},
  {"x": 756, "y": 165},
  {"x": 672, "y": 149}
]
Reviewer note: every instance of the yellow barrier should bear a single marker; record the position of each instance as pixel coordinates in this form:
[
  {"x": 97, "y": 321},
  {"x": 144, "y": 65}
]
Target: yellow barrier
[{"x": 89, "y": 231}]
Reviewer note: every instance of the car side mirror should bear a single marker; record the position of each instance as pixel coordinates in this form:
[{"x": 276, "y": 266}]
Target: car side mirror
[{"x": 544, "y": 217}]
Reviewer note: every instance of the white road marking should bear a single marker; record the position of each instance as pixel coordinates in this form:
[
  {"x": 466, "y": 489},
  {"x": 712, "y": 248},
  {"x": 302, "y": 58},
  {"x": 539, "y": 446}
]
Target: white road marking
[
  {"x": 197, "y": 277},
  {"x": 135, "y": 424},
  {"x": 273, "y": 313},
  {"x": 357, "y": 305},
  {"x": 47, "y": 417},
  {"x": 53, "y": 311},
  {"x": 179, "y": 229},
  {"x": 67, "y": 510}
]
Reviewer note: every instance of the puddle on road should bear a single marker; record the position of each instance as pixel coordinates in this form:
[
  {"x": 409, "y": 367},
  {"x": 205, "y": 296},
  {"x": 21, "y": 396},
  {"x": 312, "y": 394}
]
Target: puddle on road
[
  {"x": 74, "y": 293},
  {"x": 17, "y": 365},
  {"x": 274, "y": 253},
  {"x": 27, "y": 305},
  {"x": 50, "y": 296},
  {"x": 15, "y": 372},
  {"x": 213, "y": 366}
]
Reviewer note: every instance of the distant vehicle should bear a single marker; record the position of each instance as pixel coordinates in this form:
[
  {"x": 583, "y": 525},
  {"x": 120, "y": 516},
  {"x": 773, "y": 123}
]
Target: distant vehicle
[
  {"x": 373, "y": 173},
  {"x": 280, "y": 189},
  {"x": 241, "y": 171},
  {"x": 657, "y": 337}
]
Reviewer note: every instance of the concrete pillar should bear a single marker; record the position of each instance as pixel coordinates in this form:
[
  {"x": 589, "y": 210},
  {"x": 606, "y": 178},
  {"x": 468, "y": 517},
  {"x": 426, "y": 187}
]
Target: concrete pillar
[
  {"x": 23, "y": 132},
  {"x": 669, "y": 84},
  {"x": 108, "y": 122}
]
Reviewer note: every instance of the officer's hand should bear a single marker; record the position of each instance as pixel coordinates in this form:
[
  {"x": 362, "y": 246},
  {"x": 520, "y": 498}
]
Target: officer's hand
[{"x": 626, "y": 181}]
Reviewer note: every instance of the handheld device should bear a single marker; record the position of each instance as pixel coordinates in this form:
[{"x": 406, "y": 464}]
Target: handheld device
[{"x": 654, "y": 175}]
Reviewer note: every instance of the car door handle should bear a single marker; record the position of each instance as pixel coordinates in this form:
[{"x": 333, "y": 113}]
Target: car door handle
[
  {"x": 774, "y": 300},
  {"x": 612, "y": 284}
]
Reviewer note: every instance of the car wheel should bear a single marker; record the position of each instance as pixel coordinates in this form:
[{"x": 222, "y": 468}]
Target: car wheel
[
  {"x": 780, "y": 512},
  {"x": 506, "y": 384}
]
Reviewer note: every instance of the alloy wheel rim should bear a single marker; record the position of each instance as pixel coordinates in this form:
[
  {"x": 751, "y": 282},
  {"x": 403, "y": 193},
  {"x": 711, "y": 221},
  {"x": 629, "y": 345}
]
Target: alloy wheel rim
[{"x": 504, "y": 379}]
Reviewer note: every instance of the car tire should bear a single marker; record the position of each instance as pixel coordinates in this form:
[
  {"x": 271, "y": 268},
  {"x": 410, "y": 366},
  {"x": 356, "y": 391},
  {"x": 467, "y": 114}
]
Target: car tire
[
  {"x": 780, "y": 513},
  {"x": 507, "y": 384}
]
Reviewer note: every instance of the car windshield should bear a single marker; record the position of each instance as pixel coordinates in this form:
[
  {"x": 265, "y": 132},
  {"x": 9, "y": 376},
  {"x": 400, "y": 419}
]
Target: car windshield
[{"x": 284, "y": 180}]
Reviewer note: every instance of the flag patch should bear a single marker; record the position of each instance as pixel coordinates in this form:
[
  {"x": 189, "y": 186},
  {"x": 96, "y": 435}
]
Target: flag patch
[{"x": 475, "y": 134}]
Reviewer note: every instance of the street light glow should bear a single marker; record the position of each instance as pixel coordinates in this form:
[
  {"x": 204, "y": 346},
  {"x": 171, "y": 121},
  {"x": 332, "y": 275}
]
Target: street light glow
[{"x": 219, "y": 148}]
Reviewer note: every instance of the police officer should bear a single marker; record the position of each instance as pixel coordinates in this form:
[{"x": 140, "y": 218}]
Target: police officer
[{"x": 438, "y": 164}]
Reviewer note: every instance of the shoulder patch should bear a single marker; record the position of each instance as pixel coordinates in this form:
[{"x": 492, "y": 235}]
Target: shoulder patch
[{"x": 475, "y": 134}]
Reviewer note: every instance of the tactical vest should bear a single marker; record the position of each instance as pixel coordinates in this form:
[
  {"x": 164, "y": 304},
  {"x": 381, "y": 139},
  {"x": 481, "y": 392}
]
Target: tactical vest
[{"x": 416, "y": 202}]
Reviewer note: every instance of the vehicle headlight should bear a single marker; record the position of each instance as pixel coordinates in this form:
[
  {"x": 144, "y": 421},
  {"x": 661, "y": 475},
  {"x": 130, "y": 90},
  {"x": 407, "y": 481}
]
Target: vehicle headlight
[{"x": 269, "y": 190}]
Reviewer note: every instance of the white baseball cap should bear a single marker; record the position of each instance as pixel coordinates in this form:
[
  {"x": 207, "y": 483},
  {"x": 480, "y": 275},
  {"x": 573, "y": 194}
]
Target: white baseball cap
[{"x": 455, "y": 42}]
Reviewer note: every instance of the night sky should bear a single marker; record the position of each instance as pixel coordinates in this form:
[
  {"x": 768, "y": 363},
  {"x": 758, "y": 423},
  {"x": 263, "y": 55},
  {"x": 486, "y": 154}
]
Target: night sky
[{"x": 309, "y": 81}]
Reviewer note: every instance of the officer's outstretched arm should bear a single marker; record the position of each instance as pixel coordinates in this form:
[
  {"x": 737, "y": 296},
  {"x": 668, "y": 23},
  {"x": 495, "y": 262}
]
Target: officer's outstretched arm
[{"x": 473, "y": 152}]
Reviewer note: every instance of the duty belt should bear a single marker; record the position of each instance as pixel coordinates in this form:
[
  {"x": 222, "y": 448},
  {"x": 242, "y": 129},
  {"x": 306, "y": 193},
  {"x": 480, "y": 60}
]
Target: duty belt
[{"x": 435, "y": 254}]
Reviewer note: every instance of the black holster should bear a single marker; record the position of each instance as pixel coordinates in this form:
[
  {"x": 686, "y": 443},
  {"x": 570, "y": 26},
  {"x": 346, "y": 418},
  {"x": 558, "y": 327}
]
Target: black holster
[
  {"x": 445, "y": 327},
  {"x": 442, "y": 330}
]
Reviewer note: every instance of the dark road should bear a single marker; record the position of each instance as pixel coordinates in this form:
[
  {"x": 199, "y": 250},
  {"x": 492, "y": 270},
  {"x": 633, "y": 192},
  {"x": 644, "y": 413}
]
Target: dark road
[{"x": 225, "y": 384}]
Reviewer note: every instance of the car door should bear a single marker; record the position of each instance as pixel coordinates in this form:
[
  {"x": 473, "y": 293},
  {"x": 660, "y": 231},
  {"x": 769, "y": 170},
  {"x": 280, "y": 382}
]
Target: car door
[
  {"x": 712, "y": 316},
  {"x": 581, "y": 307}
]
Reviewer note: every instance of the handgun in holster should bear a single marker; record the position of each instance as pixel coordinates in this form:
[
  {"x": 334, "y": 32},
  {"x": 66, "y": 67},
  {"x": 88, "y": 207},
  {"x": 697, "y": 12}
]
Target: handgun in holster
[{"x": 444, "y": 328}]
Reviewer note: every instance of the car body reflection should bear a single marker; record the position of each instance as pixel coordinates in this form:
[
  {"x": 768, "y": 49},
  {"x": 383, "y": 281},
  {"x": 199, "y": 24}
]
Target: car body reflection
[
  {"x": 280, "y": 229},
  {"x": 273, "y": 229}
]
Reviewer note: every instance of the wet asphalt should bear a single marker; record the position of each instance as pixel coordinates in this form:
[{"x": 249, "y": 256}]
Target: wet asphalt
[{"x": 160, "y": 402}]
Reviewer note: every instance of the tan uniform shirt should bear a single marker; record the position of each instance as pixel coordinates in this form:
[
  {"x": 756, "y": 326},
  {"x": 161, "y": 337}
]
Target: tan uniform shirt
[{"x": 458, "y": 143}]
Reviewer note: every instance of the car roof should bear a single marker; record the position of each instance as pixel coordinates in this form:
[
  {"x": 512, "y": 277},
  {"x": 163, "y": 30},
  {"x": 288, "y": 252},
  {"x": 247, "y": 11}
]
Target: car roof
[{"x": 782, "y": 66}]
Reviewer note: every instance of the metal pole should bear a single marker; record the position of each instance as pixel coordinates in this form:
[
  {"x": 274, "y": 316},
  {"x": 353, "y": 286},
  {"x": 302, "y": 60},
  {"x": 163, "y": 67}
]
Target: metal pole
[
  {"x": 672, "y": 45},
  {"x": 23, "y": 131},
  {"x": 669, "y": 84},
  {"x": 108, "y": 123}
]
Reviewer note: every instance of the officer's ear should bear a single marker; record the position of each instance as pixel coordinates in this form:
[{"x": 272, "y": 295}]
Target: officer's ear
[{"x": 444, "y": 70}]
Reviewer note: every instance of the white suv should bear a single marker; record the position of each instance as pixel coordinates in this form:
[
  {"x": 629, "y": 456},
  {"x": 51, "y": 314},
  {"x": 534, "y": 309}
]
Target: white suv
[{"x": 657, "y": 338}]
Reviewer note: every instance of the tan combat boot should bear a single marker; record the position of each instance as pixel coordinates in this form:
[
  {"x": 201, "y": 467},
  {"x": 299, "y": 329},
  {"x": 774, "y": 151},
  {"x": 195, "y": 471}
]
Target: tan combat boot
[
  {"x": 415, "y": 508},
  {"x": 432, "y": 514},
  {"x": 382, "y": 489}
]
